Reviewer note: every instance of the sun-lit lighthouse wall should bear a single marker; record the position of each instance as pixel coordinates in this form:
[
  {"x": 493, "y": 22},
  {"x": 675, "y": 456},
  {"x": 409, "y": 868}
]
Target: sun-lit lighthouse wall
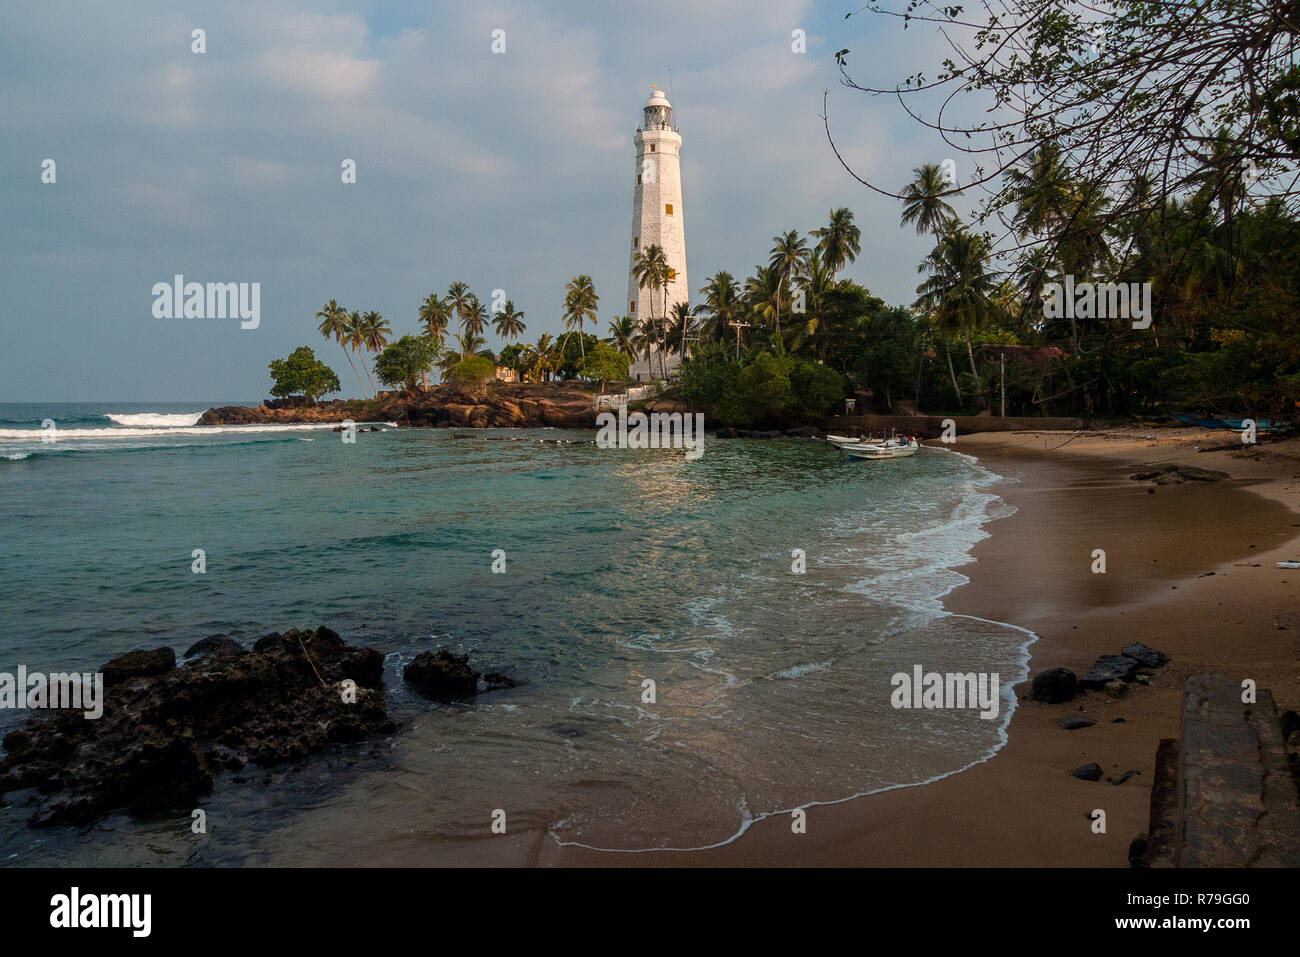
[{"x": 657, "y": 219}]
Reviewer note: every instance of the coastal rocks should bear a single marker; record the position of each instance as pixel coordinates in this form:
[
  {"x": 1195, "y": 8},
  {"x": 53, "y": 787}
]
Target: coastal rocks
[
  {"x": 164, "y": 734},
  {"x": 1089, "y": 772},
  {"x": 442, "y": 676},
  {"x": 1108, "y": 668},
  {"x": 1054, "y": 686},
  {"x": 1178, "y": 474},
  {"x": 1115, "y": 689},
  {"x": 1073, "y": 722},
  {"x": 214, "y": 645},
  {"x": 1144, "y": 654},
  {"x": 138, "y": 664}
]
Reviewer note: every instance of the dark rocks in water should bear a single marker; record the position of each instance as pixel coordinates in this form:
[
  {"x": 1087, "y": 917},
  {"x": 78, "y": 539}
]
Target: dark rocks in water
[
  {"x": 215, "y": 645},
  {"x": 804, "y": 431},
  {"x": 1144, "y": 654},
  {"x": 765, "y": 434},
  {"x": 727, "y": 432},
  {"x": 267, "y": 641},
  {"x": 1109, "y": 668},
  {"x": 1177, "y": 474},
  {"x": 163, "y": 735},
  {"x": 1072, "y": 722},
  {"x": 442, "y": 676},
  {"x": 1054, "y": 685},
  {"x": 141, "y": 663},
  {"x": 1089, "y": 772}
]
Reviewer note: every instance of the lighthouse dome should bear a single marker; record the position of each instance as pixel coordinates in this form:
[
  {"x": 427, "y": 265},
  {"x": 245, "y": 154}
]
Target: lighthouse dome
[{"x": 658, "y": 112}]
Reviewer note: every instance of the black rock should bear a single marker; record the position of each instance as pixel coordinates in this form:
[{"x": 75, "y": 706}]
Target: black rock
[
  {"x": 1109, "y": 668},
  {"x": 1089, "y": 772},
  {"x": 1054, "y": 686},
  {"x": 441, "y": 675},
  {"x": 1290, "y": 724},
  {"x": 140, "y": 663},
  {"x": 215, "y": 645},
  {"x": 1144, "y": 654},
  {"x": 1137, "y": 851},
  {"x": 267, "y": 642},
  {"x": 1072, "y": 722},
  {"x": 1124, "y": 777}
]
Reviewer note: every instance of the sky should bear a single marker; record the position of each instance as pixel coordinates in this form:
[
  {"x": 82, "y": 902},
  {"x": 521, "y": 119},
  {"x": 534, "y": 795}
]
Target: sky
[{"x": 509, "y": 171}]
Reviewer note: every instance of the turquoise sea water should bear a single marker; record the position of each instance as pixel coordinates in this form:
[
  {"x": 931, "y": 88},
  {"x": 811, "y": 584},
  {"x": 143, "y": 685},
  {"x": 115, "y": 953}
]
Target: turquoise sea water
[{"x": 772, "y": 688}]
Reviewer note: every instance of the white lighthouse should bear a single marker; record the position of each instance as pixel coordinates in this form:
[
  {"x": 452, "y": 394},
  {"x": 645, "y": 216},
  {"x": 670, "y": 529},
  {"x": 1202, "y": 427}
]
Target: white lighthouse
[{"x": 657, "y": 220}]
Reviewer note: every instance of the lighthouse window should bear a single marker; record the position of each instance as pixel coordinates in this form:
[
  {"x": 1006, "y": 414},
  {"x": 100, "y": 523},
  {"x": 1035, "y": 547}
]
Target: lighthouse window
[
  {"x": 636, "y": 241},
  {"x": 652, "y": 147},
  {"x": 668, "y": 208},
  {"x": 631, "y": 307},
  {"x": 638, "y": 179}
]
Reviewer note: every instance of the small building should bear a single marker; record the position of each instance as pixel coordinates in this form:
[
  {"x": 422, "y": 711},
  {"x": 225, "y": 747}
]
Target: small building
[{"x": 507, "y": 374}]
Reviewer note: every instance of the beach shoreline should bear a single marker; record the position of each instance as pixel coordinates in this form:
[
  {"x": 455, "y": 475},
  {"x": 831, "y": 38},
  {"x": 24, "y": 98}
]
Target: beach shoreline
[{"x": 1191, "y": 571}]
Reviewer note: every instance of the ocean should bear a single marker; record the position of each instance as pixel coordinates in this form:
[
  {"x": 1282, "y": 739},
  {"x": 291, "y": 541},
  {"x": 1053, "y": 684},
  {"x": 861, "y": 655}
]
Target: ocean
[{"x": 771, "y": 688}]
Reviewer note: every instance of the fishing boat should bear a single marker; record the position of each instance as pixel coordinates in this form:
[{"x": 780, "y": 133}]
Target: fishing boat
[
  {"x": 894, "y": 448},
  {"x": 839, "y": 441}
]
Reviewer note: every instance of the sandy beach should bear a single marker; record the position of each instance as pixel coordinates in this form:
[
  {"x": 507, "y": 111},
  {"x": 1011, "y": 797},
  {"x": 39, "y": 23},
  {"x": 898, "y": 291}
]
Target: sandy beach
[{"x": 1191, "y": 571}]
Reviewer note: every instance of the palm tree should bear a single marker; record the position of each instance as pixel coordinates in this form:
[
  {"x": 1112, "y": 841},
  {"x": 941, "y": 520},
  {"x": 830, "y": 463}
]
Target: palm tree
[
  {"x": 815, "y": 285},
  {"x": 476, "y": 317},
  {"x": 840, "y": 241},
  {"x": 435, "y": 313},
  {"x": 459, "y": 298},
  {"x": 790, "y": 258},
  {"x": 763, "y": 294},
  {"x": 543, "y": 363},
  {"x": 469, "y": 343},
  {"x": 579, "y": 305},
  {"x": 354, "y": 337},
  {"x": 508, "y": 322},
  {"x": 651, "y": 269},
  {"x": 924, "y": 204},
  {"x": 622, "y": 334},
  {"x": 375, "y": 333},
  {"x": 334, "y": 324},
  {"x": 681, "y": 329},
  {"x": 959, "y": 287},
  {"x": 721, "y": 303}
]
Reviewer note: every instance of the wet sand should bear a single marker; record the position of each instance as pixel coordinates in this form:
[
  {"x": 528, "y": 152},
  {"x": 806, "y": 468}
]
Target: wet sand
[{"x": 1190, "y": 570}]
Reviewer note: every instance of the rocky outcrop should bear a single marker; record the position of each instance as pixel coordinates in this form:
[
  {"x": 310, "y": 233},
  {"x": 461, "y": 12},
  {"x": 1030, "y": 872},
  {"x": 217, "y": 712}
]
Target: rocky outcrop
[
  {"x": 442, "y": 676},
  {"x": 166, "y": 731},
  {"x": 496, "y": 405}
]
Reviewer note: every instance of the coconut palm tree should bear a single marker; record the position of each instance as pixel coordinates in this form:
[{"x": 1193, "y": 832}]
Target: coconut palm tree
[
  {"x": 579, "y": 305},
  {"x": 460, "y": 298},
  {"x": 959, "y": 287},
  {"x": 354, "y": 337},
  {"x": 435, "y": 313},
  {"x": 508, "y": 322},
  {"x": 790, "y": 258},
  {"x": 721, "y": 303},
  {"x": 681, "y": 328},
  {"x": 334, "y": 324},
  {"x": 924, "y": 205},
  {"x": 651, "y": 269},
  {"x": 375, "y": 333},
  {"x": 622, "y": 335},
  {"x": 840, "y": 241},
  {"x": 815, "y": 284},
  {"x": 476, "y": 318},
  {"x": 543, "y": 362},
  {"x": 763, "y": 295}
]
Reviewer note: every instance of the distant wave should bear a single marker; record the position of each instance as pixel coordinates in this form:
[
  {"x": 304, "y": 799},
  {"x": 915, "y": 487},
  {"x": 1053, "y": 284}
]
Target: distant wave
[
  {"x": 159, "y": 420},
  {"x": 137, "y": 433}
]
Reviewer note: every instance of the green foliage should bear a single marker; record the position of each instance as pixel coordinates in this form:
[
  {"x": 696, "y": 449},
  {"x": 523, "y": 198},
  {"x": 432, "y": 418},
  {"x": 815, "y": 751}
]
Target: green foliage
[
  {"x": 604, "y": 362},
  {"x": 406, "y": 362},
  {"x": 768, "y": 388},
  {"x": 471, "y": 371},
  {"x": 302, "y": 374}
]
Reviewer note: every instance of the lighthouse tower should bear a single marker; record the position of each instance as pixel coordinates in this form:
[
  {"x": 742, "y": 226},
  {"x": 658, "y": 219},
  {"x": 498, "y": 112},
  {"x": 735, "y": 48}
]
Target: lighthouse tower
[{"x": 657, "y": 220}]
